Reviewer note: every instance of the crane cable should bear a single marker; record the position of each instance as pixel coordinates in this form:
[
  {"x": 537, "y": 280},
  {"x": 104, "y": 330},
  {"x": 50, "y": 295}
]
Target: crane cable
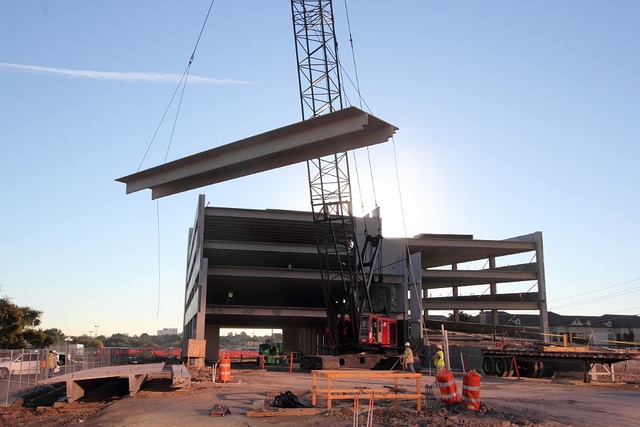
[
  {"x": 182, "y": 83},
  {"x": 395, "y": 158},
  {"x": 360, "y": 102}
]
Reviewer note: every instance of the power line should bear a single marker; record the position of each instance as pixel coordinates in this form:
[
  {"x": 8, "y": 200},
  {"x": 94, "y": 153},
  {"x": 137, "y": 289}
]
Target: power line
[
  {"x": 599, "y": 290},
  {"x": 617, "y": 294}
]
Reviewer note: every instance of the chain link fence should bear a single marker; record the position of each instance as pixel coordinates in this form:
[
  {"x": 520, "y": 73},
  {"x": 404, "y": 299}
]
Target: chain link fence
[{"x": 20, "y": 370}]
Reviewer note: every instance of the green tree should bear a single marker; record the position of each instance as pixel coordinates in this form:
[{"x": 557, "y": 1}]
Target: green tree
[
  {"x": 18, "y": 326},
  {"x": 82, "y": 339},
  {"x": 55, "y": 335},
  {"x": 117, "y": 340},
  {"x": 37, "y": 338},
  {"x": 464, "y": 317},
  {"x": 94, "y": 343},
  {"x": 144, "y": 340}
]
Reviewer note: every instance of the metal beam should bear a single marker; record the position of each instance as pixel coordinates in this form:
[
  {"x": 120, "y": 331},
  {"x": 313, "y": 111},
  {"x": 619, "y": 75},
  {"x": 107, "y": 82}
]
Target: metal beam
[{"x": 341, "y": 131}]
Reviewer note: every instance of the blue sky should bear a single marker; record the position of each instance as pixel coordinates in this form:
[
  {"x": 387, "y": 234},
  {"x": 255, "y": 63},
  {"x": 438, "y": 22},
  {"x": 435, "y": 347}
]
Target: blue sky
[{"x": 514, "y": 117}]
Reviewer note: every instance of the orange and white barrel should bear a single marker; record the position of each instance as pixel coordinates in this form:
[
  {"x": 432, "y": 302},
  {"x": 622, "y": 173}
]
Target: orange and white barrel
[
  {"x": 471, "y": 391},
  {"x": 224, "y": 373},
  {"x": 448, "y": 387}
]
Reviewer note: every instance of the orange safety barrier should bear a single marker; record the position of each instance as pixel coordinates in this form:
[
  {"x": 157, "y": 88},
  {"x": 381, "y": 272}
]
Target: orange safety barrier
[
  {"x": 471, "y": 391},
  {"x": 224, "y": 374},
  {"x": 448, "y": 387}
]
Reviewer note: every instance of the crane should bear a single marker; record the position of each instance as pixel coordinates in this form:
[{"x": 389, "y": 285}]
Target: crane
[{"x": 347, "y": 269}]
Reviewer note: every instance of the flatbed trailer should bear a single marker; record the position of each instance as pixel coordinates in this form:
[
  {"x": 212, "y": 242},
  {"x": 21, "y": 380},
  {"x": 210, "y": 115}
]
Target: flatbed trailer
[{"x": 538, "y": 362}]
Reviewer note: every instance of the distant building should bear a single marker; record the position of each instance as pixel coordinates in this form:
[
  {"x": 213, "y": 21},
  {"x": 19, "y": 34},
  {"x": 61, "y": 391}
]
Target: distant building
[
  {"x": 168, "y": 331},
  {"x": 607, "y": 330}
]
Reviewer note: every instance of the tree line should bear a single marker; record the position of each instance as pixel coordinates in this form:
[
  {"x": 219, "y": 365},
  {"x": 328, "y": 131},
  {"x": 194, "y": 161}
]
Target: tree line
[
  {"x": 244, "y": 341},
  {"x": 20, "y": 328}
]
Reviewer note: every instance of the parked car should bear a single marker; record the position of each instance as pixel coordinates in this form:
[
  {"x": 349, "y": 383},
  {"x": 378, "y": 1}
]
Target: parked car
[{"x": 23, "y": 364}]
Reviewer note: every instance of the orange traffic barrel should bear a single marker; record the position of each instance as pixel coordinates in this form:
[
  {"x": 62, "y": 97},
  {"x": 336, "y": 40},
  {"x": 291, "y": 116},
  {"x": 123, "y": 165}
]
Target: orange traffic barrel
[
  {"x": 224, "y": 374},
  {"x": 471, "y": 391},
  {"x": 448, "y": 388}
]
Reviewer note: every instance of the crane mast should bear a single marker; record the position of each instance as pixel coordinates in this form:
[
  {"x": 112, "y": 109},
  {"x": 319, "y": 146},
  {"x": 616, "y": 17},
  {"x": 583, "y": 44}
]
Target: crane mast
[{"x": 346, "y": 279}]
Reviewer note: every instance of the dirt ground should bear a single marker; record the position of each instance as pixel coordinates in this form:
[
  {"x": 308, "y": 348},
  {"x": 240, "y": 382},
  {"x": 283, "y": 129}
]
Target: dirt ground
[{"x": 505, "y": 402}]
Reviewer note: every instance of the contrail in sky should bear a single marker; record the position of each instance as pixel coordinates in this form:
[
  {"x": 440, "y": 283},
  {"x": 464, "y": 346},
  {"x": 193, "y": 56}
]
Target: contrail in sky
[{"x": 129, "y": 77}]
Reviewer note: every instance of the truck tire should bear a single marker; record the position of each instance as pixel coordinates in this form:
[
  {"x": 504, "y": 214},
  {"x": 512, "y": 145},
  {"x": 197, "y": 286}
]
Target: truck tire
[
  {"x": 4, "y": 373},
  {"x": 488, "y": 366},
  {"x": 534, "y": 371},
  {"x": 501, "y": 366}
]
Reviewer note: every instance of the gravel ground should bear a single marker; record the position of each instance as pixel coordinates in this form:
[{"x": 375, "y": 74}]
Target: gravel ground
[{"x": 505, "y": 402}]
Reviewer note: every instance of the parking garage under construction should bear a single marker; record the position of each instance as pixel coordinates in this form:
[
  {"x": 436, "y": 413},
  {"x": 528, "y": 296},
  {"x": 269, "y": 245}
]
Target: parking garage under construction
[{"x": 270, "y": 259}]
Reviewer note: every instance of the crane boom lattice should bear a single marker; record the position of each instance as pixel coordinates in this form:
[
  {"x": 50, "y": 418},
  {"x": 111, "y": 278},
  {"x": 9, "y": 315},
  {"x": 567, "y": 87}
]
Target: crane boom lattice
[{"x": 345, "y": 291}]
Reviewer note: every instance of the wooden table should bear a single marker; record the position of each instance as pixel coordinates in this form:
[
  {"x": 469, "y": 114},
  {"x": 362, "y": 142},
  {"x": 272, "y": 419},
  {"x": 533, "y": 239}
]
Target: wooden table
[{"x": 332, "y": 393}]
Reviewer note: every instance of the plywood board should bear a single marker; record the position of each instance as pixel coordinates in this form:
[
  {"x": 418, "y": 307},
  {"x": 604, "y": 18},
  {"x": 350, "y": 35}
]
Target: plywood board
[{"x": 196, "y": 348}]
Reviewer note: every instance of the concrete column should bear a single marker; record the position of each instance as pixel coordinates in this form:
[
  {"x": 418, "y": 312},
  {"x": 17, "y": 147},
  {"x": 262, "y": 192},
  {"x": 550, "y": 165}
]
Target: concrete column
[
  {"x": 314, "y": 338},
  {"x": 493, "y": 289},
  {"x": 542, "y": 287},
  {"x": 291, "y": 339},
  {"x": 415, "y": 298},
  {"x": 454, "y": 293},
  {"x": 202, "y": 310},
  {"x": 300, "y": 339},
  {"x": 212, "y": 336}
]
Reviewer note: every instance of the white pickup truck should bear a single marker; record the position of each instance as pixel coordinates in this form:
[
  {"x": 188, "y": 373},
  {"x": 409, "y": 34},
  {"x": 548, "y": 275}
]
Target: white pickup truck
[{"x": 23, "y": 363}]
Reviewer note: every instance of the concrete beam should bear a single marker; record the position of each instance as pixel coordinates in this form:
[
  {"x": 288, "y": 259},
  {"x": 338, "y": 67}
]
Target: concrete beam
[
  {"x": 433, "y": 279},
  {"x": 77, "y": 382},
  {"x": 336, "y": 132},
  {"x": 272, "y": 273},
  {"x": 234, "y": 310},
  {"x": 438, "y": 252},
  {"x": 260, "y": 247},
  {"x": 477, "y": 306}
]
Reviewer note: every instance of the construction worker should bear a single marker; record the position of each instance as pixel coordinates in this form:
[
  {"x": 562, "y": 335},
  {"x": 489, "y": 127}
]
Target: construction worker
[
  {"x": 230, "y": 296},
  {"x": 438, "y": 359},
  {"x": 408, "y": 357},
  {"x": 51, "y": 362}
]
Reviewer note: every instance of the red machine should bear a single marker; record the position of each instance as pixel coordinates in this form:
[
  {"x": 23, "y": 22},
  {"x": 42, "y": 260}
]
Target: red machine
[{"x": 378, "y": 330}]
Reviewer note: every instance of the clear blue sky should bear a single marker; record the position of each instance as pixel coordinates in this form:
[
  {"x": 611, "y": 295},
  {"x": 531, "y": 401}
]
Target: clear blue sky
[{"x": 514, "y": 117}]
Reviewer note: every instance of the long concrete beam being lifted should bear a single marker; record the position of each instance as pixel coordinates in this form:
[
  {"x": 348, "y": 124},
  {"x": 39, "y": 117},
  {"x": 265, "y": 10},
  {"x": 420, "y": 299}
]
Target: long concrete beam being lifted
[{"x": 337, "y": 132}]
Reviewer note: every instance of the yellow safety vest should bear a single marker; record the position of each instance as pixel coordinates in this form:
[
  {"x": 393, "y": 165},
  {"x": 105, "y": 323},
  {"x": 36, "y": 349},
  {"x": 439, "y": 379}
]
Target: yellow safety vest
[
  {"x": 438, "y": 360},
  {"x": 408, "y": 355}
]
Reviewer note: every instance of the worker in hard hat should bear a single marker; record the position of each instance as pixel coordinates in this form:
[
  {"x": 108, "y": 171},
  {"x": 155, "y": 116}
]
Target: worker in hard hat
[
  {"x": 438, "y": 358},
  {"x": 52, "y": 360},
  {"x": 408, "y": 357}
]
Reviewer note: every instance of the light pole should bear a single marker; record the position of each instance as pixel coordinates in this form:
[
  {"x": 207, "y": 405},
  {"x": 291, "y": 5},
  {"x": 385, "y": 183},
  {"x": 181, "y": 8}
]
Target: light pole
[{"x": 96, "y": 326}]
